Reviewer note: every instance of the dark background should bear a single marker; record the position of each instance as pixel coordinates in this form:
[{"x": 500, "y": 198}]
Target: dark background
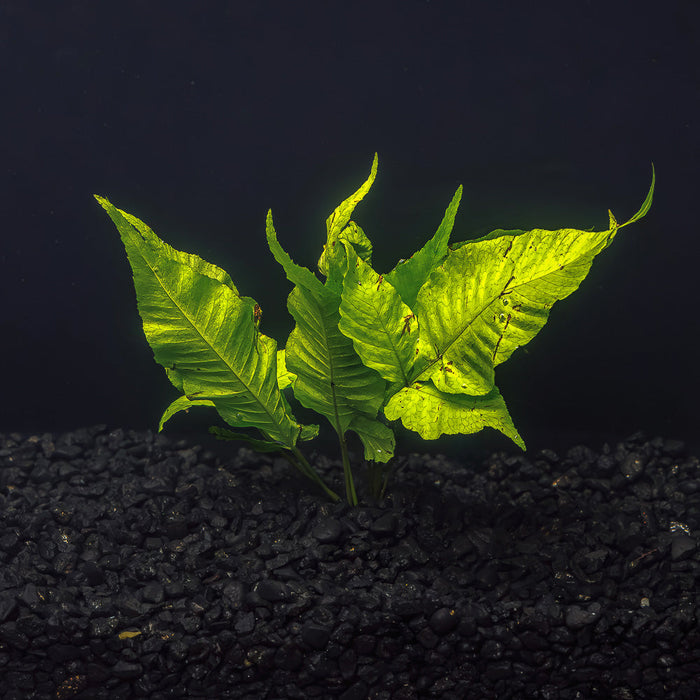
[{"x": 198, "y": 117}]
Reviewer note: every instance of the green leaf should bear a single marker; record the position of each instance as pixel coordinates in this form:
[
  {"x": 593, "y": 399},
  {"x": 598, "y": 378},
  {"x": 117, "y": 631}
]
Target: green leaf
[
  {"x": 646, "y": 205},
  {"x": 159, "y": 247},
  {"x": 182, "y": 403},
  {"x": 285, "y": 378},
  {"x": 382, "y": 328},
  {"x": 410, "y": 275},
  {"x": 296, "y": 274},
  {"x": 330, "y": 378},
  {"x": 308, "y": 432},
  {"x": 329, "y": 375},
  {"x": 203, "y": 332},
  {"x": 337, "y": 221},
  {"x": 256, "y": 444},
  {"x": 353, "y": 234},
  {"x": 493, "y": 295},
  {"x": 432, "y": 413},
  {"x": 378, "y": 439}
]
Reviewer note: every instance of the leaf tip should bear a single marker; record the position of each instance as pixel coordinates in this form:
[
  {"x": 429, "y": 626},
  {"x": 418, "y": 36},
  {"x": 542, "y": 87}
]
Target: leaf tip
[{"x": 269, "y": 226}]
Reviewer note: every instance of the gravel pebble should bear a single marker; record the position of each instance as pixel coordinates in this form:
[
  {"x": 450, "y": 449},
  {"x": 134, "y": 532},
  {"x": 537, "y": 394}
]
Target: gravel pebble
[{"x": 137, "y": 565}]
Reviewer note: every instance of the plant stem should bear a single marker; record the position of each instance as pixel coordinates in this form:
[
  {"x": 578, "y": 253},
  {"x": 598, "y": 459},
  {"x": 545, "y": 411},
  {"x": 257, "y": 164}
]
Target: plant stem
[
  {"x": 379, "y": 478},
  {"x": 388, "y": 471},
  {"x": 349, "y": 483},
  {"x": 299, "y": 461}
]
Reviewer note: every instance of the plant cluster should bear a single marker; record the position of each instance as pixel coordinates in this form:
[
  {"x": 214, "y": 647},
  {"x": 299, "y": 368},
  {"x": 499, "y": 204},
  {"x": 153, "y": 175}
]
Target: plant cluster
[{"x": 417, "y": 344}]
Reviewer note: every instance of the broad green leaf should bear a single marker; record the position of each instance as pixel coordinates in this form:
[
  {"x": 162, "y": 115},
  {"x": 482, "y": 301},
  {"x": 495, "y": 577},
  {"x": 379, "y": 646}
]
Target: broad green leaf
[
  {"x": 382, "y": 328},
  {"x": 410, "y": 275},
  {"x": 339, "y": 219},
  {"x": 432, "y": 413},
  {"x": 329, "y": 375},
  {"x": 204, "y": 333},
  {"x": 493, "y": 295},
  {"x": 330, "y": 378}
]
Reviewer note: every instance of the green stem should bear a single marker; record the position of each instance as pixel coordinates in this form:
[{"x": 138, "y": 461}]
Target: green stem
[
  {"x": 295, "y": 457},
  {"x": 379, "y": 478},
  {"x": 349, "y": 483},
  {"x": 387, "y": 473}
]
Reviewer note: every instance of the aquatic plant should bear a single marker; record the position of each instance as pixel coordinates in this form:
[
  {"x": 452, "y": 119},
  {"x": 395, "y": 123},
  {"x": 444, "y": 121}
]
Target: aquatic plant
[{"x": 417, "y": 344}]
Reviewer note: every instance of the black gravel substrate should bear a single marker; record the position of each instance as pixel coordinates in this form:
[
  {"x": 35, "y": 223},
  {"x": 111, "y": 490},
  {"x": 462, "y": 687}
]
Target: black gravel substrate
[{"x": 134, "y": 566}]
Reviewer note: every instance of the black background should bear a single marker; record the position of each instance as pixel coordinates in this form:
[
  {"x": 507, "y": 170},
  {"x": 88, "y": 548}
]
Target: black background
[{"x": 198, "y": 117}]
